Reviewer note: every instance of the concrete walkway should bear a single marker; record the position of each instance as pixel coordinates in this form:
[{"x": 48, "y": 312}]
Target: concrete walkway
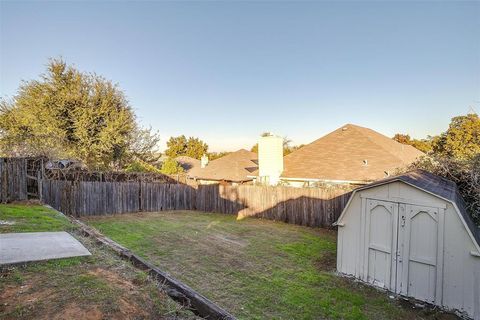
[{"x": 36, "y": 246}]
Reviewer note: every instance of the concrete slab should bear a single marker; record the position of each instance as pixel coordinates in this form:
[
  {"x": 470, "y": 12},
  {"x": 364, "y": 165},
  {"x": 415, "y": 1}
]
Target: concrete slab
[{"x": 36, "y": 246}]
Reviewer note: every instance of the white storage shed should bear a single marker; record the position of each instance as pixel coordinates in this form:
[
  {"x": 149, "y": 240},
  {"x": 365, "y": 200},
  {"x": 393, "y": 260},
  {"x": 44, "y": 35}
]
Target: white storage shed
[{"x": 411, "y": 235}]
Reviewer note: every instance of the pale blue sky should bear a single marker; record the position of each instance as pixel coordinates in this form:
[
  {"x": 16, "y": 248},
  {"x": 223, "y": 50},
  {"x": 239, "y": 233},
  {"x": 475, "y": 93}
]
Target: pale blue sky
[{"x": 227, "y": 71}]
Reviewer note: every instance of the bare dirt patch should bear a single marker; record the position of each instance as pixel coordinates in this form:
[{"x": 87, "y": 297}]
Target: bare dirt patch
[
  {"x": 14, "y": 294},
  {"x": 74, "y": 311},
  {"x": 30, "y": 202},
  {"x": 327, "y": 262},
  {"x": 113, "y": 278},
  {"x": 97, "y": 287},
  {"x": 20, "y": 300}
]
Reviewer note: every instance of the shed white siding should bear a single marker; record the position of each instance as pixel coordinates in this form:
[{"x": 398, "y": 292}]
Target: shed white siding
[{"x": 432, "y": 259}]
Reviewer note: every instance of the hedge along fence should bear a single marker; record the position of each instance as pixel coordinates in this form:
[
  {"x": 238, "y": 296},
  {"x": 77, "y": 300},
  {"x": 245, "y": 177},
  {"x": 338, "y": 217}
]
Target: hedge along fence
[{"x": 304, "y": 206}]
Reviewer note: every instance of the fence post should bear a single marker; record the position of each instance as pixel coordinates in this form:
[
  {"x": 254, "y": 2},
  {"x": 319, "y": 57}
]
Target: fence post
[
  {"x": 140, "y": 202},
  {"x": 194, "y": 196},
  {"x": 3, "y": 180},
  {"x": 39, "y": 185}
]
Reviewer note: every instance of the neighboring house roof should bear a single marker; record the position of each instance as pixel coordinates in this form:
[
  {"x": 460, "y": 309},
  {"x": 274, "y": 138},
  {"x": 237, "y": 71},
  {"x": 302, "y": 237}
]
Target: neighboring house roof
[
  {"x": 341, "y": 156},
  {"x": 435, "y": 185},
  {"x": 236, "y": 167},
  {"x": 188, "y": 163}
]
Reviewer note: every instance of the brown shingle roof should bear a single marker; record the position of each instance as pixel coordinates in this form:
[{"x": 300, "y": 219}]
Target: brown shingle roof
[
  {"x": 236, "y": 167},
  {"x": 188, "y": 163},
  {"x": 340, "y": 156}
]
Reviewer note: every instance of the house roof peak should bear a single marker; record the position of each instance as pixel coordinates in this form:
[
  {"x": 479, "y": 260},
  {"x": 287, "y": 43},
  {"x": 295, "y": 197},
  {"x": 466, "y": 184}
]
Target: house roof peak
[{"x": 349, "y": 153}]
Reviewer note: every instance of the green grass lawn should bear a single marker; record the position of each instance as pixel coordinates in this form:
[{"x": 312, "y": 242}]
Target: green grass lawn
[
  {"x": 101, "y": 286},
  {"x": 31, "y": 218},
  {"x": 255, "y": 269}
]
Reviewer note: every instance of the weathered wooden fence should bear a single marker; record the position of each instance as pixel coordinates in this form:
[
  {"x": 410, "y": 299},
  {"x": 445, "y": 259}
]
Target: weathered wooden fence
[
  {"x": 83, "y": 198},
  {"x": 13, "y": 179},
  {"x": 159, "y": 197},
  {"x": 306, "y": 206},
  {"x": 303, "y": 206}
]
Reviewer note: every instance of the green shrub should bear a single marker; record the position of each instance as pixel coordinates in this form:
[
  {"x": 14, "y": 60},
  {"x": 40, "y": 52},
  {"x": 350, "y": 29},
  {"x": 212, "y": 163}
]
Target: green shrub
[{"x": 464, "y": 172}]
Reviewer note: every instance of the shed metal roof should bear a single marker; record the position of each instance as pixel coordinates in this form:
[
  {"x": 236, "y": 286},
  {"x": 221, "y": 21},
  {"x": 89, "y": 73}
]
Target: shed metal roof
[{"x": 436, "y": 185}]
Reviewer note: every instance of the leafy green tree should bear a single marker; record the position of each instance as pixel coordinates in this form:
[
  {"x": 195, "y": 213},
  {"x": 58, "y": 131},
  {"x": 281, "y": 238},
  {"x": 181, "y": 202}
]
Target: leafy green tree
[
  {"x": 464, "y": 172},
  {"x": 181, "y": 146},
  {"x": 176, "y": 146},
  {"x": 461, "y": 140},
  {"x": 455, "y": 155},
  {"x": 171, "y": 166},
  {"x": 70, "y": 114},
  {"x": 424, "y": 145},
  {"x": 402, "y": 138},
  {"x": 291, "y": 149},
  {"x": 144, "y": 145},
  {"x": 196, "y": 148},
  {"x": 216, "y": 155},
  {"x": 141, "y": 166},
  {"x": 287, "y": 148}
]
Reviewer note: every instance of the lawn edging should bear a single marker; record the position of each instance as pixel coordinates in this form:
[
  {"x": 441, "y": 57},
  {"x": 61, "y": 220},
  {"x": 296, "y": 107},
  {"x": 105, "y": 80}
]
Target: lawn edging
[{"x": 177, "y": 290}]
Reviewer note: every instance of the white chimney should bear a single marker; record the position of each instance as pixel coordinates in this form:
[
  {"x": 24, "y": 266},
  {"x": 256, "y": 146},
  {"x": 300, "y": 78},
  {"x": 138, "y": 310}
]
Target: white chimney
[
  {"x": 204, "y": 161},
  {"x": 270, "y": 159}
]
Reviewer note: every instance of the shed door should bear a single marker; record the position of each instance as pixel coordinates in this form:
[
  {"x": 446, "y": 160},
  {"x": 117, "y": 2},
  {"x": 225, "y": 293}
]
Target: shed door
[
  {"x": 381, "y": 223},
  {"x": 419, "y": 238}
]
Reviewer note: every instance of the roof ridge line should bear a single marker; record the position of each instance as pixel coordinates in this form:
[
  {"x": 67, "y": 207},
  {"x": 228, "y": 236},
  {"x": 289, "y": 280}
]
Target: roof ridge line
[
  {"x": 314, "y": 141},
  {"x": 375, "y": 143}
]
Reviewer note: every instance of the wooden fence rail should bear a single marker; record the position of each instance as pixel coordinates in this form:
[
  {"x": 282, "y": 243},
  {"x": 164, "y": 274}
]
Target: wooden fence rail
[{"x": 304, "y": 206}]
